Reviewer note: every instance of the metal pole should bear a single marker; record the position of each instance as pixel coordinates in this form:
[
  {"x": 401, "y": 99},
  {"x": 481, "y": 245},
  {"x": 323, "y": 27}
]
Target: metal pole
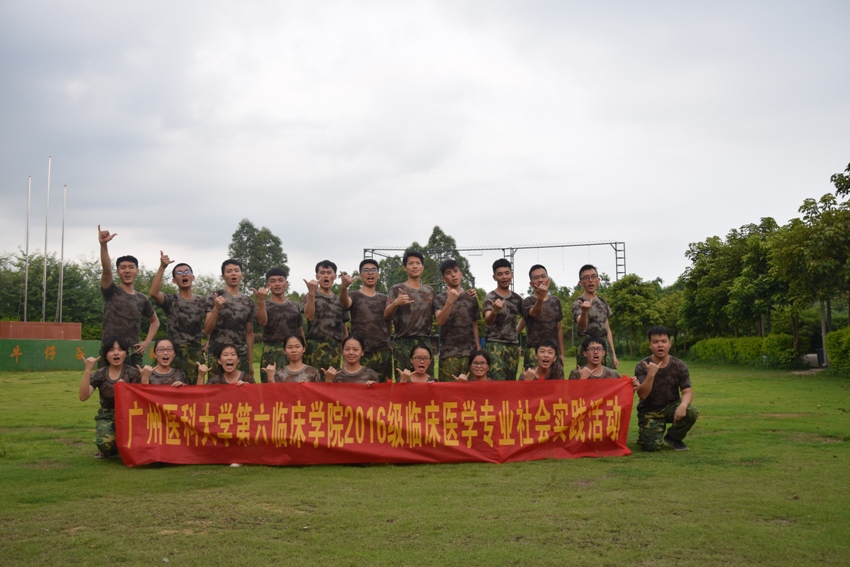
[
  {"x": 62, "y": 259},
  {"x": 44, "y": 274},
  {"x": 27, "y": 249}
]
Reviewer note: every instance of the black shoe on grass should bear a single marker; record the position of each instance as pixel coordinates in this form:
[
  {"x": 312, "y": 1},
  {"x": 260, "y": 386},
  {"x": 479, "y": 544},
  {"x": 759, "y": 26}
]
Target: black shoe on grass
[{"x": 675, "y": 444}]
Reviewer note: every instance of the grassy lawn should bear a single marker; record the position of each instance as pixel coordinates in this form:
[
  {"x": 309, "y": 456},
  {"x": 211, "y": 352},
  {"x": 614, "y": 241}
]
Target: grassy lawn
[{"x": 766, "y": 482}]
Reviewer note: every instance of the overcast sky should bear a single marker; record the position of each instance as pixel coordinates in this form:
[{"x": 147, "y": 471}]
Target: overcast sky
[{"x": 350, "y": 125}]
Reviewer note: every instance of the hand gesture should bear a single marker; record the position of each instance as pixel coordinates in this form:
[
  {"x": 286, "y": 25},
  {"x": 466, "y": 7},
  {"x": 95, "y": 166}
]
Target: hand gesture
[
  {"x": 91, "y": 362},
  {"x": 202, "y": 369},
  {"x": 585, "y": 305},
  {"x": 312, "y": 286},
  {"x": 270, "y": 370},
  {"x": 497, "y": 305},
  {"x": 461, "y": 378},
  {"x": 583, "y": 373},
  {"x": 472, "y": 293},
  {"x": 261, "y": 293},
  {"x": 219, "y": 302},
  {"x": 146, "y": 372},
  {"x": 452, "y": 295},
  {"x": 541, "y": 288},
  {"x": 104, "y": 236},
  {"x": 528, "y": 374},
  {"x": 140, "y": 348},
  {"x": 403, "y": 375},
  {"x": 330, "y": 373},
  {"x": 402, "y": 299},
  {"x": 177, "y": 384},
  {"x": 347, "y": 280},
  {"x": 651, "y": 368},
  {"x": 164, "y": 260}
]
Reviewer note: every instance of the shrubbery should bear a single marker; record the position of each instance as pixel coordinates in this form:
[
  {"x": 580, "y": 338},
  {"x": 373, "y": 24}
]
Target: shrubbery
[
  {"x": 838, "y": 348},
  {"x": 772, "y": 351}
]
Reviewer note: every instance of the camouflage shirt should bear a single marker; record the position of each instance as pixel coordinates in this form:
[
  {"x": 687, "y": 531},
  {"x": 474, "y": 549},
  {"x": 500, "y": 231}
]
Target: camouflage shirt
[
  {"x": 606, "y": 373},
  {"x": 597, "y": 317},
  {"x": 364, "y": 375},
  {"x": 230, "y": 325},
  {"x": 503, "y": 329},
  {"x": 285, "y": 319},
  {"x": 106, "y": 387},
  {"x": 329, "y": 318},
  {"x": 306, "y": 374},
  {"x": 185, "y": 323},
  {"x": 168, "y": 379},
  {"x": 122, "y": 313},
  {"x": 367, "y": 320},
  {"x": 413, "y": 320},
  {"x": 669, "y": 381},
  {"x": 457, "y": 337},
  {"x": 544, "y": 327},
  {"x": 219, "y": 379}
]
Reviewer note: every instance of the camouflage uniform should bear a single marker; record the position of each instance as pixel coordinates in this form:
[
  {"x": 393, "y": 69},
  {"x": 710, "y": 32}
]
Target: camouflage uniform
[
  {"x": 457, "y": 334},
  {"x": 597, "y": 319},
  {"x": 325, "y": 332},
  {"x": 306, "y": 374},
  {"x": 105, "y": 418},
  {"x": 219, "y": 379},
  {"x": 606, "y": 373},
  {"x": 284, "y": 320},
  {"x": 544, "y": 327},
  {"x": 230, "y": 325},
  {"x": 657, "y": 409},
  {"x": 368, "y": 324},
  {"x": 168, "y": 379},
  {"x": 122, "y": 313},
  {"x": 502, "y": 341},
  {"x": 364, "y": 375},
  {"x": 185, "y": 328},
  {"x": 412, "y": 323}
]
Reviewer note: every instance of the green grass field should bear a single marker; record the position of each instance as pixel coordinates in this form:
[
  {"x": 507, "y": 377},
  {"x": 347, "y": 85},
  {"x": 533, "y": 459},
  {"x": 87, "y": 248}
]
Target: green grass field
[{"x": 766, "y": 482}]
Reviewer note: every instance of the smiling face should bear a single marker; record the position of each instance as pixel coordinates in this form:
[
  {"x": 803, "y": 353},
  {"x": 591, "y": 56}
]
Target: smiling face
[
  {"x": 228, "y": 359},
  {"x": 128, "y": 272},
  {"x": 479, "y": 368},
  {"x": 183, "y": 276},
  {"x": 420, "y": 359},
  {"x": 116, "y": 355},
  {"x": 414, "y": 267},
  {"x": 325, "y": 277},
  {"x": 545, "y": 356},
  {"x": 232, "y": 275},
  {"x": 503, "y": 278},
  {"x": 164, "y": 353},
  {"x": 277, "y": 285},
  {"x": 352, "y": 351},
  {"x": 294, "y": 349}
]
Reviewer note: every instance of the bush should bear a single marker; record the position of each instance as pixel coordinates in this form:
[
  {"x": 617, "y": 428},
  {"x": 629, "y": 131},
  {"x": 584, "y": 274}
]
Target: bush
[
  {"x": 772, "y": 351},
  {"x": 570, "y": 352},
  {"x": 838, "y": 349},
  {"x": 644, "y": 349}
]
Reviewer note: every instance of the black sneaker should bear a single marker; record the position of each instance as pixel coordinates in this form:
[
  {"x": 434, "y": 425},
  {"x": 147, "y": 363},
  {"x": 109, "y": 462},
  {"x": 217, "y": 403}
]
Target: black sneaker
[{"x": 675, "y": 444}]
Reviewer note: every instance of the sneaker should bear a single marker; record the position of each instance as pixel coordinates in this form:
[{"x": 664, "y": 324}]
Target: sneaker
[
  {"x": 99, "y": 455},
  {"x": 675, "y": 444}
]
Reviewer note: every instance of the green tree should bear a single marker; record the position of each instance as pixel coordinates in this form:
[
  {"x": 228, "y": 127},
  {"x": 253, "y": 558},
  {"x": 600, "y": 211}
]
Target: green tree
[
  {"x": 635, "y": 306},
  {"x": 841, "y": 182},
  {"x": 257, "y": 250}
]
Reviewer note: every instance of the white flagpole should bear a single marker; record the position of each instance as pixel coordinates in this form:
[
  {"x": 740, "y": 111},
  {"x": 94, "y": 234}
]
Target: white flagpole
[
  {"x": 62, "y": 259},
  {"x": 27, "y": 250},
  {"x": 44, "y": 274}
]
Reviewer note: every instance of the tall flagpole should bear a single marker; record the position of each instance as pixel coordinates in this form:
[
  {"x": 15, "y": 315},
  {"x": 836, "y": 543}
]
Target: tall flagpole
[
  {"x": 27, "y": 250},
  {"x": 62, "y": 259},
  {"x": 44, "y": 275}
]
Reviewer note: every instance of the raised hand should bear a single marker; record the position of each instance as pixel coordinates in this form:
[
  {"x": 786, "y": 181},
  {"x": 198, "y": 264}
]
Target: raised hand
[
  {"x": 583, "y": 373},
  {"x": 461, "y": 378},
  {"x": 585, "y": 305},
  {"x": 402, "y": 299},
  {"x": 146, "y": 372},
  {"x": 497, "y": 305},
  {"x": 104, "y": 236},
  {"x": 528, "y": 374},
  {"x": 347, "y": 280},
  {"x": 270, "y": 370},
  {"x": 164, "y": 260},
  {"x": 261, "y": 293},
  {"x": 403, "y": 375},
  {"x": 312, "y": 286},
  {"x": 330, "y": 373}
]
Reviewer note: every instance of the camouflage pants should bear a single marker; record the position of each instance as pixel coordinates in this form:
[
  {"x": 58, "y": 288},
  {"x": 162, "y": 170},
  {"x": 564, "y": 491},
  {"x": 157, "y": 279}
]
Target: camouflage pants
[
  {"x": 504, "y": 360},
  {"x": 403, "y": 347},
  {"x": 607, "y": 360},
  {"x": 652, "y": 424},
  {"x": 456, "y": 366},
  {"x": 186, "y": 358},
  {"x": 323, "y": 353},
  {"x": 381, "y": 362},
  {"x": 105, "y": 432},
  {"x": 272, "y": 353}
]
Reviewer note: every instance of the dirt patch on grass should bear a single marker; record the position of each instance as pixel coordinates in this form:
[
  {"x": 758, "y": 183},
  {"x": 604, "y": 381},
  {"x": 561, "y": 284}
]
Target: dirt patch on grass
[
  {"x": 807, "y": 372},
  {"x": 813, "y": 438},
  {"x": 784, "y": 415},
  {"x": 46, "y": 464}
]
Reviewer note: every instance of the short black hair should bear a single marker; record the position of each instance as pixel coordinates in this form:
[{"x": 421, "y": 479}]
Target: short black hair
[
  {"x": 368, "y": 261},
  {"x": 228, "y": 262},
  {"x": 658, "y": 330},
  {"x": 480, "y": 353},
  {"x": 126, "y": 259},
  {"x": 277, "y": 272},
  {"x": 587, "y": 267},
  {"x": 326, "y": 264},
  {"x": 502, "y": 263},
  {"x": 585, "y": 344},
  {"x": 448, "y": 265},
  {"x": 421, "y": 346},
  {"x": 173, "y": 275},
  {"x": 353, "y": 338},
  {"x": 106, "y": 346},
  {"x": 537, "y": 267},
  {"x": 408, "y": 254},
  {"x": 295, "y": 336},
  {"x": 220, "y": 349},
  {"x": 547, "y": 343}
]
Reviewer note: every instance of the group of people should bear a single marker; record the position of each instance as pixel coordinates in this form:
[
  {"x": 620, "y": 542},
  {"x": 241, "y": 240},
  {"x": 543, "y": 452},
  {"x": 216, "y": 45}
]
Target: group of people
[{"x": 384, "y": 328}]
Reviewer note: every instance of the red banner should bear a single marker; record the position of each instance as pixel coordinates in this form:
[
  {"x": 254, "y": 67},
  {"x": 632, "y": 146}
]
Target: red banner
[{"x": 301, "y": 424}]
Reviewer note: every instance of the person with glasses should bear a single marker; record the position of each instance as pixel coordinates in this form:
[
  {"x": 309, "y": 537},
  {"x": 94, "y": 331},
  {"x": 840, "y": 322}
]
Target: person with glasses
[
  {"x": 542, "y": 315},
  {"x": 479, "y": 368},
  {"x": 593, "y": 349},
  {"x": 457, "y": 315},
  {"x": 163, "y": 373},
  {"x": 185, "y": 313},
  {"x": 420, "y": 361},
  {"x": 591, "y": 314},
  {"x": 366, "y": 309},
  {"x": 279, "y": 317}
]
